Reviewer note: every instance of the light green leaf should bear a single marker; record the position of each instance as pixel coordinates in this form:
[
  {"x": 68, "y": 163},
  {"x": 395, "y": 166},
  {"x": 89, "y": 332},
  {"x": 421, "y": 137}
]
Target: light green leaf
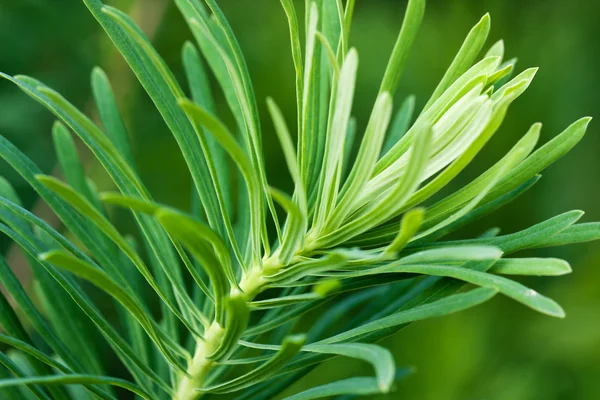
[
  {"x": 237, "y": 317},
  {"x": 290, "y": 347},
  {"x": 464, "y": 58},
  {"x": 295, "y": 229},
  {"x": 364, "y": 164},
  {"x": 329, "y": 180},
  {"x": 531, "y": 266},
  {"x": 410, "y": 224}
]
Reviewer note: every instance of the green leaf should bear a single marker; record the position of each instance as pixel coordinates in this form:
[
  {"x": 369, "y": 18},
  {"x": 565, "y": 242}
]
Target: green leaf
[
  {"x": 202, "y": 117},
  {"x": 237, "y": 317},
  {"x": 530, "y": 237},
  {"x": 445, "y": 306},
  {"x": 457, "y": 253},
  {"x": 87, "y": 210},
  {"x": 410, "y": 224},
  {"x": 162, "y": 88},
  {"x": 400, "y": 124},
  {"x": 329, "y": 180},
  {"x": 574, "y": 234},
  {"x": 11, "y": 325},
  {"x": 543, "y": 157},
  {"x": 295, "y": 229},
  {"x": 514, "y": 290},
  {"x": 361, "y": 386},
  {"x": 364, "y": 164},
  {"x": 109, "y": 113},
  {"x": 531, "y": 266},
  {"x": 447, "y": 205},
  {"x": 48, "y": 361},
  {"x": 69, "y": 161},
  {"x": 381, "y": 359},
  {"x": 410, "y": 26},
  {"x": 200, "y": 241},
  {"x": 290, "y": 13},
  {"x": 104, "y": 282},
  {"x": 290, "y": 347},
  {"x": 285, "y": 140},
  {"x": 75, "y": 379},
  {"x": 16, "y": 370},
  {"x": 464, "y": 58},
  {"x": 379, "y": 211},
  {"x": 123, "y": 350},
  {"x": 496, "y": 50}
]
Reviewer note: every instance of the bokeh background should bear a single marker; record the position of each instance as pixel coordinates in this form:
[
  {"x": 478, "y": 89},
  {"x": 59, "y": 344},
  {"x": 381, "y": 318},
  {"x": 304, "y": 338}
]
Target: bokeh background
[{"x": 499, "y": 351}]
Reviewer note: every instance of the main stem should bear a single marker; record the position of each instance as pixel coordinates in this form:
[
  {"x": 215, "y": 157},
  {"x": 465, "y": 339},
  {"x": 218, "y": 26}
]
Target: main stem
[{"x": 199, "y": 367}]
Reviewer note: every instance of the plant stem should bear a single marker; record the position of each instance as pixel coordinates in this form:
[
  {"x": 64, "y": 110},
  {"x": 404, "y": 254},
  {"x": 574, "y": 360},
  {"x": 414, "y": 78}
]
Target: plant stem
[{"x": 252, "y": 283}]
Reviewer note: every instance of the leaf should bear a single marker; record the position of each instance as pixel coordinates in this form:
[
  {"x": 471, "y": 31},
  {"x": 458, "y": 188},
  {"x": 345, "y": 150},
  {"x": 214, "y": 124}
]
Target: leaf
[
  {"x": 329, "y": 180},
  {"x": 290, "y": 13},
  {"x": 68, "y": 159},
  {"x": 321, "y": 290},
  {"x": 198, "y": 238},
  {"x": 380, "y": 358},
  {"x": 103, "y": 281},
  {"x": 379, "y": 211},
  {"x": 361, "y": 386},
  {"x": 514, "y": 290},
  {"x": 48, "y": 361},
  {"x": 364, "y": 164},
  {"x": 531, "y": 266},
  {"x": 520, "y": 150},
  {"x": 237, "y": 317},
  {"x": 464, "y": 58},
  {"x": 17, "y": 371},
  {"x": 11, "y": 325},
  {"x": 573, "y": 234},
  {"x": 491, "y": 126},
  {"x": 228, "y": 142},
  {"x": 109, "y": 113},
  {"x": 475, "y": 77},
  {"x": 290, "y": 347},
  {"x": 410, "y": 26},
  {"x": 293, "y": 236},
  {"x": 410, "y": 224},
  {"x": 230, "y": 53},
  {"x": 445, "y": 306},
  {"x": 457, "y": 253},
  {"x": 200, "y": 90},
  {"x": 285, "y": 140},
  {"x": 533, "y": 236},
  {"x": 123, "y": 350},
  {"x": 87, "y": 210},
  {"x": 543, "y": 157},
  {"x": 496, "y": 50},
  {"x": 400, "y": 124},
  {"x": 75, "y": 379},
  {"x": 162, "y": 88}
]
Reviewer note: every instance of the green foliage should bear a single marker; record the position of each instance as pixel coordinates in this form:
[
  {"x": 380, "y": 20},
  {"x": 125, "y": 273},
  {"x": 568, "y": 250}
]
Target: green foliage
[{"x": 351, "y": 228}]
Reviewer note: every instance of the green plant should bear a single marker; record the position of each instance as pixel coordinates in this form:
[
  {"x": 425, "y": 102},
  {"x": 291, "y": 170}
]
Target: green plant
[{"x": 357, "y": 251}]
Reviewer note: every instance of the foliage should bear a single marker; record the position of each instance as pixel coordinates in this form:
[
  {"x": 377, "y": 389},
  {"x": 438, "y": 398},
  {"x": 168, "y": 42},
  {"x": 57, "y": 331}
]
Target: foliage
[{"x": 354, "y": 245}]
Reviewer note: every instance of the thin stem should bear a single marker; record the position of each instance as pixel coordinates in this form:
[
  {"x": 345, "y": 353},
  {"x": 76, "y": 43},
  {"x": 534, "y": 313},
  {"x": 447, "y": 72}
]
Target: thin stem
[{"x": 252, "y": 284}]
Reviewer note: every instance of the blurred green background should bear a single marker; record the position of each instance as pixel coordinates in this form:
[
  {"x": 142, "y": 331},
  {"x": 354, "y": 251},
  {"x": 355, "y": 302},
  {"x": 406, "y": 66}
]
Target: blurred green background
[{"x": 499, "y": 351}]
